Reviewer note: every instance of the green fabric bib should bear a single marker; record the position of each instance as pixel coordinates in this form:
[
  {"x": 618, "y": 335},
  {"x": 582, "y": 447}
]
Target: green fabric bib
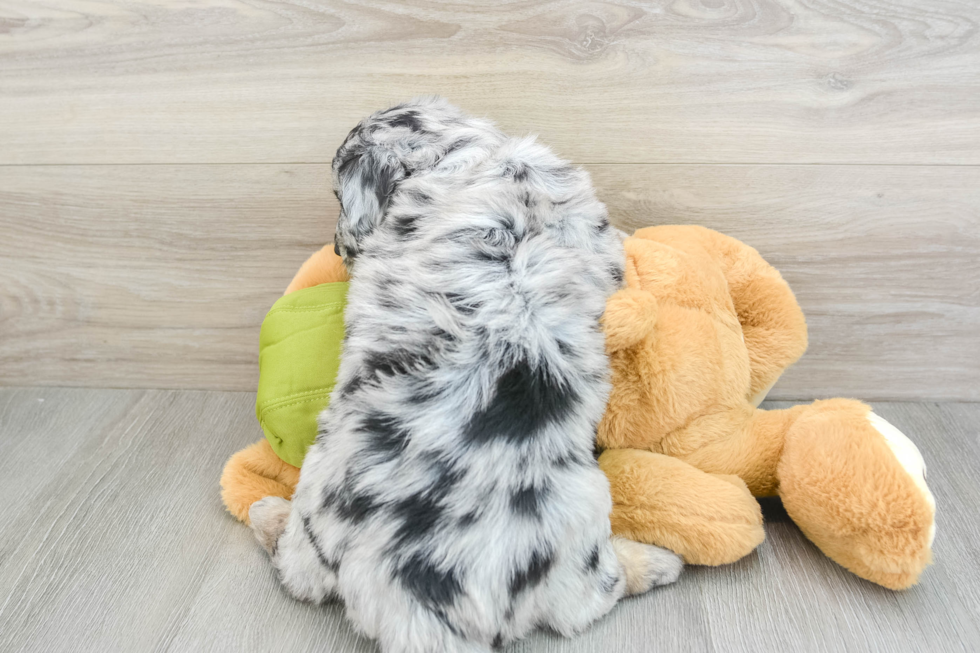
[{"x": 299, "y": 354}]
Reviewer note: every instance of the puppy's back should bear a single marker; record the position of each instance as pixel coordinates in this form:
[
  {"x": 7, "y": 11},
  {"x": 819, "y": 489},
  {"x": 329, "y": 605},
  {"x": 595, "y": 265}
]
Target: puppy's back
[{"x": 453, "y": 490}]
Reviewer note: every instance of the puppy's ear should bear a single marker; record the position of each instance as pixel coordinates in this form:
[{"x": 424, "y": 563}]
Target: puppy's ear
[{"x": 365, "y": 178}]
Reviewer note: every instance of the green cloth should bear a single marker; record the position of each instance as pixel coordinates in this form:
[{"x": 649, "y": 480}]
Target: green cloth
[{"x": 299, "y": 354}]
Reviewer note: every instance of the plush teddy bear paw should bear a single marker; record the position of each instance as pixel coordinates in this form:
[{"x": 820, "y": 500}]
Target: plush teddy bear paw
[
  {"x": 268, "y": 519},
  {"x": 855, "y": 485},
  {"x": 908, "y": 456},
  {"x": 646, "y": 566}
]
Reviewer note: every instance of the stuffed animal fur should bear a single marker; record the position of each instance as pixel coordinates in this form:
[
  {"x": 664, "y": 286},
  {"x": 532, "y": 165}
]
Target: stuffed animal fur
[{"x": 698, "y": 337}]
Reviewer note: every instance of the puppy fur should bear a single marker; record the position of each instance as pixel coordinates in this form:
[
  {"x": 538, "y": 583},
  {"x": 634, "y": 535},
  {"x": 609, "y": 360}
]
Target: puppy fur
[{"x": 452, "y": 499}]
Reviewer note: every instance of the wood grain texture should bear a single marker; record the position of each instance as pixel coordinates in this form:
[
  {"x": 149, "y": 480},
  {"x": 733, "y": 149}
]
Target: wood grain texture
[
  {"x": 150, "y": 276},
  {"x": 884, "y": 260},
  {"x": 743, "y": 81},
  {"x": 114, "y": 538},
  {"x": 159, "y": 276}
]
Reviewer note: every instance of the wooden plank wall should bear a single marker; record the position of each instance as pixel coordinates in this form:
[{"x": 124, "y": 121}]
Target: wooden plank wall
[{"x": 164, "y": 165}]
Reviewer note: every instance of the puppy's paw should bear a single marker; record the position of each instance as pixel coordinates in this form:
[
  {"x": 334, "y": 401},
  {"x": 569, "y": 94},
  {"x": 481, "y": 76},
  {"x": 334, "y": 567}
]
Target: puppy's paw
[
  {"x": 268, "y": 517},
  {"x": 646, "y": 566}
]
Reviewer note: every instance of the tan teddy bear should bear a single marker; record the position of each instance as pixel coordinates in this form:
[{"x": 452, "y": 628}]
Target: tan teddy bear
[{"x": 696, "y": 340}]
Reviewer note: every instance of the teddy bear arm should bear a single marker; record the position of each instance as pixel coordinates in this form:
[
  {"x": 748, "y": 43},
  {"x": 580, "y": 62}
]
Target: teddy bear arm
[
  {"x": 323, "y": 266},
  {"x": 629, "y": 318},
  {"x": 772, "y": 322},
  {"x": 707, "y": 519}
]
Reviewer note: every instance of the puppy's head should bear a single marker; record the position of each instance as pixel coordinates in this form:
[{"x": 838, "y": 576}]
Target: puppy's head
[{"x": 386, "y": 148}]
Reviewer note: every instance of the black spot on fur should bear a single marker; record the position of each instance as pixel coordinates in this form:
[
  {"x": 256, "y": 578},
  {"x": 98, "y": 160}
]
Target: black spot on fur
[
  {"x": 447, "y": 477},
  {"x": 564, "y": 348},
  {"x": 468, "y": 519},
  {"x": 332, "y": 565},
  {"x": 527, "y": 501},
  {"x": 387, "y": 436},
  {"x": 409, "y": 119},
  {"x": 404, "y": 225},
  {"x": 526, "y": 400},
  {"x": 421, "y": 512},
  {"x": 432, "y": 587},
  {"x": 537, "y": 568},
  {"x": 383, "y": 180},
  {"x": 518, "y": 170},
  {"x": 328, "y": 499},
  {"x": 396, "y": 362},
  {"x": 353, "y": 385},
  {"x": 593, "y": 562},
  {"x": 617, "y": 274},
  {"x": 423, "y": 393},
  {"x": 498, "y": 641},
  {"x": 419, "y": 515},
  {"x": 356, "y": 507}
]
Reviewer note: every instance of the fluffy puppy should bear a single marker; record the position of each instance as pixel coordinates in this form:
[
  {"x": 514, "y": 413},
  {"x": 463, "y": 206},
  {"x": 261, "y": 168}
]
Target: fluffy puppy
[{"x": 452, "y": 499}]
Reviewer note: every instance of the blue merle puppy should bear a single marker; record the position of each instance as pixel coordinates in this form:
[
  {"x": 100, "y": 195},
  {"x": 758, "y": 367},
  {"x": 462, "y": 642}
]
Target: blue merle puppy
[{"x": 452, "y": 499}]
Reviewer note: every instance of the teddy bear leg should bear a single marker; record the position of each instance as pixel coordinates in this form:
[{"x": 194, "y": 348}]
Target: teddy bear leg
[
  {"x": 253, "y": 473},
  {"x": 855, "y": 485},
  {"x": 705, "y": 518}
]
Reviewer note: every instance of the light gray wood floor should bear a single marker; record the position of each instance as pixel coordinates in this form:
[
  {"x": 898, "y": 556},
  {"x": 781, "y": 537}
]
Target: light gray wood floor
[{"x": 114, "y": 539}]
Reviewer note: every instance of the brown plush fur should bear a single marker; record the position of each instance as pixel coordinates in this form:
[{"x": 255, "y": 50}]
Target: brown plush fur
[
  {"x": 836, "y": 475},
  {"x": 253, "y": 473},
  {"x": 705, "y": 518},
  {"x": 322, "y": 267},
  {"x": 701, "y": 332}
]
